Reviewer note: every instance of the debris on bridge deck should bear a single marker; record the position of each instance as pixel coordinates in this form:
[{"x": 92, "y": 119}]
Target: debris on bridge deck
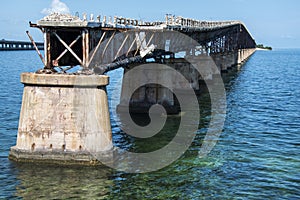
[{"x": 71, "y": 40}]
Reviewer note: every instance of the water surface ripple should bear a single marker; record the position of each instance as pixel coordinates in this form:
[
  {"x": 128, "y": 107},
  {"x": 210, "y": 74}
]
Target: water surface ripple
[{"x": 257, "y": 156}]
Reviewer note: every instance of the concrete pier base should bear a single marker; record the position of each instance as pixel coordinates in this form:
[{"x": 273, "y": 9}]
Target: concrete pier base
[
  {"x": 244, "y": 54},
  {"x": 64, "y": 119},
  {"x": 147, "y": 95}
]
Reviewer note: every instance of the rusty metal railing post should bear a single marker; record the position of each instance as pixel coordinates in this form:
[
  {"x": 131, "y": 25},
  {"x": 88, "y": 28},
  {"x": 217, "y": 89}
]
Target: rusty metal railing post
[{"x": 36, "y": 48}]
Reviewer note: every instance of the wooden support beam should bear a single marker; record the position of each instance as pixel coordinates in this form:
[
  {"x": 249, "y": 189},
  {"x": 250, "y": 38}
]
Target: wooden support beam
[
  {"x": 85, "y": 48},
  {"x": 36, "y": 48},
  {"x": 121, "y": 46},
  {"x": 55, "y": 62},
  {"x": 110, "y": 39},
  {"x": 135, "y": 38},
  {"x": 47, "y": 43},
  {"x": 69, "y": 49},
  {"x": 139, "y": 42},
  {"x": 150, "y": 39},
  {"x": 96, "y": 49}
]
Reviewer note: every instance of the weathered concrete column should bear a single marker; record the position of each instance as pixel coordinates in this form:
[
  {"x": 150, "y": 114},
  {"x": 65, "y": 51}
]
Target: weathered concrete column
[
  {"x": 63, "y": 119},
  {"x": 224, "y": 63},
  {"x": 244, "y": 54},
  {"x": 230, "y": 60},
  {"x": 147, "y": 95},
  {"x": 240, "y": 57},
  {"x": 218, "y": 60}
]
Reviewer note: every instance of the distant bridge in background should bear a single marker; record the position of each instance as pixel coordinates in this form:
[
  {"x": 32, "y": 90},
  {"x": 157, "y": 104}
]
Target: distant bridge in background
[{"x": 12, "y": 45}]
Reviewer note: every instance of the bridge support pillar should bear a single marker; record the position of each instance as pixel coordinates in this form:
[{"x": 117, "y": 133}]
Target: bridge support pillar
[
  {"x": 149, "y": 94},
  {"x": 218, "y": 60},
  {"x": 224, "y": 62},
  {"x": 244, "y": 54},
  {"x": 64, "y": 119},
  {"x": 230, "y": 60}
]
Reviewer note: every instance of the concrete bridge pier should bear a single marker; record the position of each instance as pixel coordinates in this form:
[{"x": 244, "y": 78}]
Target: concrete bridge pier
[
  {"x": 63, "y": 119},
  {"x": 240, "y": 56},
  {"x": 218, "y": 60},
  {"x": 244, "y": 54},
  {"x": 225, "y": 62},
  {"x": 147, "y": 94},
  {"x": 230, "y": 60},
  {"x": 150, "y": 94}
]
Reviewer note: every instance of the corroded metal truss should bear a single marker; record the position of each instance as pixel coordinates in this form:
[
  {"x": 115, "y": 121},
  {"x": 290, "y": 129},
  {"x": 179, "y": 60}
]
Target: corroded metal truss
[{"x": 96, "y": 44}]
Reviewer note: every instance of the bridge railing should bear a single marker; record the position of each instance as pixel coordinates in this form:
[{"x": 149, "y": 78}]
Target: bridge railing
[
  {"x": 172, "y": 20},
  {"x": 71, "y": 40}
]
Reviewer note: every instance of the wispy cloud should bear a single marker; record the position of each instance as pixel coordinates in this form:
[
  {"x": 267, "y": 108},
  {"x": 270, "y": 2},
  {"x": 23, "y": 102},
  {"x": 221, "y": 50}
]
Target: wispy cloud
[{"x": 56, "y": 6}]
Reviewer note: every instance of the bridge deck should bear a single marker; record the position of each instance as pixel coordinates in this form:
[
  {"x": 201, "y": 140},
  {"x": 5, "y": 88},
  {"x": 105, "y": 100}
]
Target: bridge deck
[
  {"x": 178, "y": 23},
  {"x": 10, "y": 45},
  {"x": 70, "y": 40}
]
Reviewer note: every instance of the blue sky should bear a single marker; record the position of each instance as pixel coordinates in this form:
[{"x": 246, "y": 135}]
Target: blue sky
[{"x": 272, "y": 22}]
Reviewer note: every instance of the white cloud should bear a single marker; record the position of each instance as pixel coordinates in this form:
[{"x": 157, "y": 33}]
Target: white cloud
[{"x": 57, "y": 7}]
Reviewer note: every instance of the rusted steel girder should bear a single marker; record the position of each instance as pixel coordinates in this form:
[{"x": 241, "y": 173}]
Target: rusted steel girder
[{"x": 79, "y": 41}]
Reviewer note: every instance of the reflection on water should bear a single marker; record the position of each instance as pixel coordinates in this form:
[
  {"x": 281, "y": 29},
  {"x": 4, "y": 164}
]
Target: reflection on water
[
  {"x": 51, "y": 182},
  {"x": 162, "y": 138}
]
